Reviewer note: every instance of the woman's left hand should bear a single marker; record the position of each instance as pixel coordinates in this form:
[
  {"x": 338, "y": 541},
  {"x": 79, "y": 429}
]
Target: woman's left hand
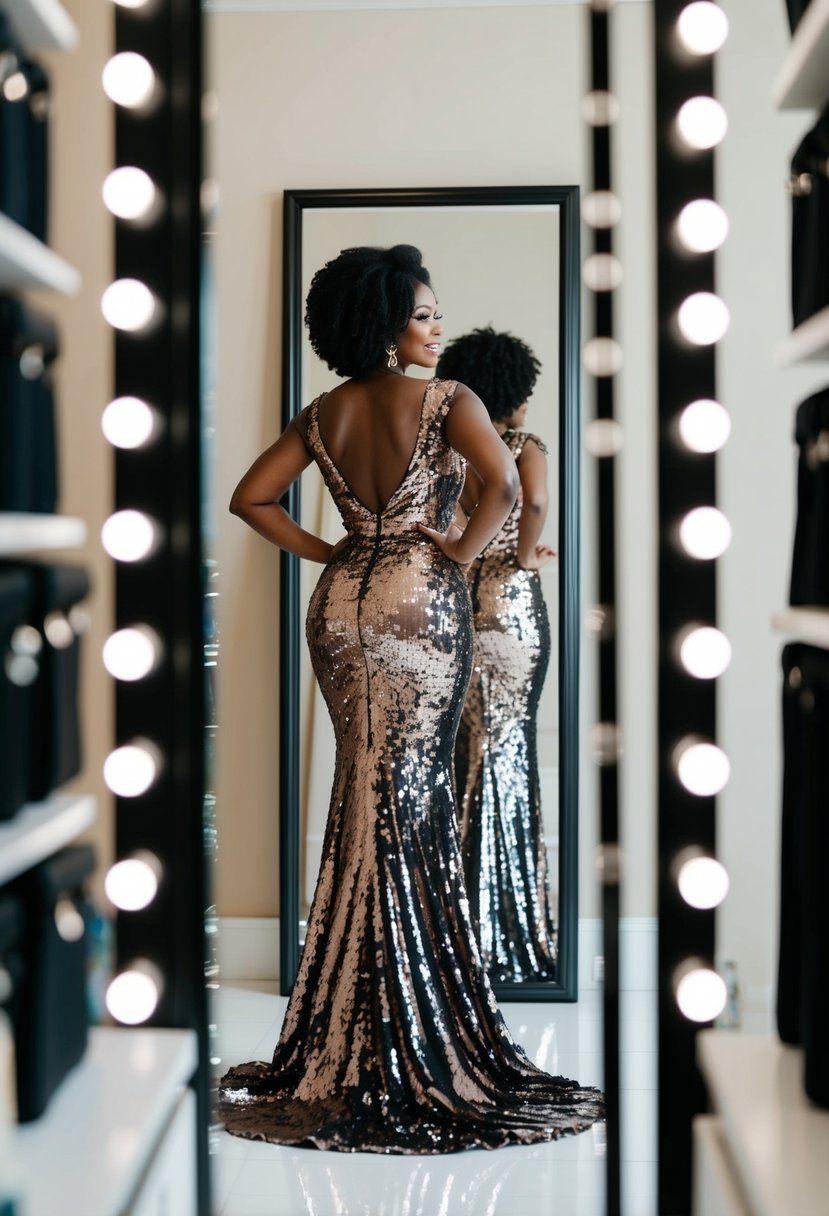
[{"x": 542, "y": 555}]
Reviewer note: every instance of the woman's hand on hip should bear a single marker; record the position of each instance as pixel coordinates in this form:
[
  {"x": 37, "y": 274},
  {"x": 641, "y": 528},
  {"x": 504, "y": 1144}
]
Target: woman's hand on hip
[{"x": 448, "y": 542}]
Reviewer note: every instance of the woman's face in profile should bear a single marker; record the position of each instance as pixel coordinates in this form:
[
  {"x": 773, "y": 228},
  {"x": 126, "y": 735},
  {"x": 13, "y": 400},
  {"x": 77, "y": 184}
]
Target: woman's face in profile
[{"x": 420, "y": 341}]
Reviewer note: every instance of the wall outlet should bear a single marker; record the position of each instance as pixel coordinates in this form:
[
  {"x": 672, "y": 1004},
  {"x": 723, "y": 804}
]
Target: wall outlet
[{"x": 598, "y": 969}]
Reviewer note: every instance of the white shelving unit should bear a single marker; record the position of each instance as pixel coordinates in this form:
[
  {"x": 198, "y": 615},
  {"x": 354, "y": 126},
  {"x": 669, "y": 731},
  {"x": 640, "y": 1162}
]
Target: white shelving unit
[
  {"x": 777, "y": 1141},
  {"x": 40, "y": 829},
  {"x": 810, "y": 341},
  {"x": 88, "y": 1154},
  {"x": 800, "y": 83},
  {"x": 809, "y": 625},
  {"x": 27, "y": 262},
  {"x": 21, "y": 533}
]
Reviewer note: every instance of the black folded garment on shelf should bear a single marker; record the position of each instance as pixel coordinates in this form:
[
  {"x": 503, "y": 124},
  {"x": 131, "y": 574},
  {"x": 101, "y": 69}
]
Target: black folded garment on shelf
[
  {"x": 796, "y": 9},
  {"x": 56, "y": 746},
  {"x": 51, "y": 1028},
  {"x": 803, "y": 967},
  {"x": 20, "y": 654},
  {"x": 24, "y": 151},
  {"x": 28, "y": 447},
  {"x": 810, "y": 558},
  {"x": 809, "y": 187}
]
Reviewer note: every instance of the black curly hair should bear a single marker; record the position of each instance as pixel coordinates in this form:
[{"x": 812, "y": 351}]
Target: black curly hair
[
  {"x": 500, "y": 368},
  {"x": 359, "y": 302}
]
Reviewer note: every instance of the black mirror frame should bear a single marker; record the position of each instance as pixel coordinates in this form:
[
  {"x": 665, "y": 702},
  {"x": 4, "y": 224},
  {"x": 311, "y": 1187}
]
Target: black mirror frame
[{"x": 296, "y": 202}]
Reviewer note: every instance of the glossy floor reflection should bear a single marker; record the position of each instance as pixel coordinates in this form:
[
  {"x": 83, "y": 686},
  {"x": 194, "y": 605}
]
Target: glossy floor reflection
[{"x": 565, "y": 1178}]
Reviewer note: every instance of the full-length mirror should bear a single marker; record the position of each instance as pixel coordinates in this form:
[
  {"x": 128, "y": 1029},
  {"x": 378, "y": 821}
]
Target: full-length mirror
[{"x": 505, "y": 262}]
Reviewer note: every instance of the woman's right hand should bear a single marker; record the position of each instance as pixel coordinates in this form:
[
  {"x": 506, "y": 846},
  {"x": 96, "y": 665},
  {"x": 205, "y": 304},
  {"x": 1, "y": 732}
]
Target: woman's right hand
[
  {"x": 338, "y": 548},
  {"x": 447, "y": 541}
]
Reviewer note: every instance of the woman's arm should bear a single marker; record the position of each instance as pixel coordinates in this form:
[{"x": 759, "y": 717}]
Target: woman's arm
[
  {"x": 255, "y": 499},
  {"x": 532, "y": 470},
  {"x": 471, "y": 433}
]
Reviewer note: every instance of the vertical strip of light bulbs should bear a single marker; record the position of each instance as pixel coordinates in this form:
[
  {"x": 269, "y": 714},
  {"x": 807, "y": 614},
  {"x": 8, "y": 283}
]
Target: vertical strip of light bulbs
[
  {"x": 602, "y": 357},
  {"x": 693, "y": 533}
]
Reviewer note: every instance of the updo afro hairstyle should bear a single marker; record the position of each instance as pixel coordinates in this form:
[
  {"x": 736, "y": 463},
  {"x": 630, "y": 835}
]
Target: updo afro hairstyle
[
  {"x": 501, "y": 369},
  {"x": 359, "y": 302}
]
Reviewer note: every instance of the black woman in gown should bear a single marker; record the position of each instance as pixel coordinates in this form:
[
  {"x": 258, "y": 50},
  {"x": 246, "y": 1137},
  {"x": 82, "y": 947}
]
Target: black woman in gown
[
  {"x": 496, "y": 758},
  {"x": 392, "y": 1040}
]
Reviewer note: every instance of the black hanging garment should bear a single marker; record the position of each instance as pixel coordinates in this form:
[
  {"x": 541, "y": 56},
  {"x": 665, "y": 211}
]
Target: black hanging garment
[
  {"x": 28, "y": 444},
  {"x": 809, "y": 187},
  {"x": 810, "y": 558}
]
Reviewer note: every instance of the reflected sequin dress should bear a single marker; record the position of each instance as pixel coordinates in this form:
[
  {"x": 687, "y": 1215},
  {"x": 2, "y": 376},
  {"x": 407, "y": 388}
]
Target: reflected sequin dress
[
  {"x": 392, "y": 1040},
  {"x": 496, "y": 759}
]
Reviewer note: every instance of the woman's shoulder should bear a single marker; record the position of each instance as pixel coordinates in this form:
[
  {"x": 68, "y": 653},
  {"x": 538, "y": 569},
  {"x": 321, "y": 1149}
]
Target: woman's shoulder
[{"x": 517, "y": 442}]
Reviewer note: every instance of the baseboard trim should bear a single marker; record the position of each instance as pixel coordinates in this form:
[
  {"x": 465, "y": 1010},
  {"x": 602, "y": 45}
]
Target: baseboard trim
[{"x": 248, "y": 949}]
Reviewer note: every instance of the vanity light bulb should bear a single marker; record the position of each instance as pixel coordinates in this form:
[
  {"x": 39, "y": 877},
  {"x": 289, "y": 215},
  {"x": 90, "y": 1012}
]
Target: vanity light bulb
[
  {"x": 128, "y": 304},
  {"x": 601, "y": 209},
  {"x": 602, "y": 272},
  {"x": 701, "y": 995},
  {"x": 129, "y": 80},
  {"x": 705, "y": 533},
  {"x": 130, "y": 3},
  {"x": 128, "y": 422},
  {"x": 133, "y": 995},
  {"x": 132, "y": 884},
  {"x": 703, "y": 882},
  {"x": 702, "y": 768},
  {"x": 129, "y": 771},
  {"x": 705, "y": 652},
  {"x": 703, "y": 318},
  {"x": 129, "y": 193},
  {"x": 702, "y": 122},
  {"x": 131, "y": 654},
  {"x": 603, "y": 437},
  {"x": 600, "y": 108},
  {"x": 128, "y": 536},
  {"x": 702, "y": 27},
  {"x": 702, "y": 225},
  {"x": 704, "y": 426},
  {"x": 602, "y": 356}
]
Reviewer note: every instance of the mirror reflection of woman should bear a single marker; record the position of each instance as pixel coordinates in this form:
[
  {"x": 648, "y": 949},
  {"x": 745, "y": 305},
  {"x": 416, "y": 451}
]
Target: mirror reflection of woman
[
  {"x": 392, "y": 1040},
  {"x": 496, "y": 757}
]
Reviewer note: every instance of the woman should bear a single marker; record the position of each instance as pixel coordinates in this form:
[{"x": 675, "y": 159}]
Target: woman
[
  {"x": 496, "y": 755},
  {"x": 392, "y": 1041}
]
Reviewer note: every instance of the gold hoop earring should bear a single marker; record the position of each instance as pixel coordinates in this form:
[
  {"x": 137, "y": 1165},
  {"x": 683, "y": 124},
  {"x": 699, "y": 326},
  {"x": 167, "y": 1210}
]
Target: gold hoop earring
[{"x": 391, "y": 351}]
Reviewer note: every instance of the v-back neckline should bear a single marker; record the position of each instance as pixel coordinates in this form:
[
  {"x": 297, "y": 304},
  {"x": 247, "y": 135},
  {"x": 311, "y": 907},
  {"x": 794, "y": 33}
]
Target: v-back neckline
[{"x": 409, "y": 466}]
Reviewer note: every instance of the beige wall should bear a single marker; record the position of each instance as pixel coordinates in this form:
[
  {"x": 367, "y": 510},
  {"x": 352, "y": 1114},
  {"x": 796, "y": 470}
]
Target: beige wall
[
  {"x": 490, "y": 97},
  {"x": 81, "y": 138}
]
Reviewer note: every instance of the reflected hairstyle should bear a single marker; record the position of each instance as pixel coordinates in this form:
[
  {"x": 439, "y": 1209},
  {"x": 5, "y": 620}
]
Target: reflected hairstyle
[
  {"x": 359, "y": 302},
  {"x": 500, "y": 368}
]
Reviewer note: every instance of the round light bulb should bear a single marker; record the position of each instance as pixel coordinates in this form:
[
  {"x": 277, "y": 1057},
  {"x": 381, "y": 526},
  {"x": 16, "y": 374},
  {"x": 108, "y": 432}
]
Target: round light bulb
[
  {"x": 133, "y": 995},
  {"x": 703, "y": 882},
  {"x": 600, "y": 108},
  {"x": 129, "y": 80},
  {"x": 128, "y": 304},
  {"x": 129, "y": 771},
  {"x": 131, "y": 654},
  {"x": 601, "y": 209},
  {"x": 703, "y": 318},
  {"x": 705, "y": 652},
  {"x": 129, "y": 193},
  {"x": 132, "y": 884},
  {"x": 702, "y": 27},
  {"x": 705, "y": 533},
  {"x": 128, "y": 422},
  {"x": 128, "y": 536},
  {"x": 602, "y": 272},
  {"x": 701, "y": 994},
  {"x": 602, "y": 356},
  {"x": 702, "y": 768},
  {"x": 704, "y": 426},
  {"x": 702, "y": 225},
  {"x": 702, "y": 122},
  {"x": 603, "y": 437}
]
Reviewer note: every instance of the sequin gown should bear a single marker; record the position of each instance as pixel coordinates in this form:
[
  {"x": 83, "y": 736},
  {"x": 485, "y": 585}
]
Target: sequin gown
[
  {"x": 392, "y": 1040},
  {"x": 496, "y": 759}
]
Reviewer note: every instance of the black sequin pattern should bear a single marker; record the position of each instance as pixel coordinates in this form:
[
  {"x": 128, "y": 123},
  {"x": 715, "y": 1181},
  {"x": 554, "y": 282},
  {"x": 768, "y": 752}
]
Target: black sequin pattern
[
  {"x": 392, "y": 1040},
  {"x": 496, "y": 760}
]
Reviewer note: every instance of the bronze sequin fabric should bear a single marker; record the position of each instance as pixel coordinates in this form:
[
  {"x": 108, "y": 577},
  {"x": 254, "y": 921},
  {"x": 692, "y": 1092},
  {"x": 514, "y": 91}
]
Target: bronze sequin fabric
[
  {"x": 392, "y": 1040},
  {"x": 496, "y": 759}
]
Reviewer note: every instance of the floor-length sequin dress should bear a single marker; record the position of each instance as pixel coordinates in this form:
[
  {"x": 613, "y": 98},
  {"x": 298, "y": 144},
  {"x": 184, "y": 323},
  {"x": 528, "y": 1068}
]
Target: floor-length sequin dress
[
  {"x": 392, "y": 1040},
  {"x": 496, "y": 759}
]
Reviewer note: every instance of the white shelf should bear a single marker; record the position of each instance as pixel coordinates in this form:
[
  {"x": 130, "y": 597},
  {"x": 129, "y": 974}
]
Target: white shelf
[
  {"x": 778, "y": 1141},
  {"x": 810, "y": 625},
  {"x": 87, "y": 1154},
  {"x": 809, "y": 341},
  {"x": 802, "y": 82},
  {"x": 22, "y": 533},
  {"x": 27, "y": 262},
  {"x": 43, "y": 23},
  {"x": 40, "y": 829}
]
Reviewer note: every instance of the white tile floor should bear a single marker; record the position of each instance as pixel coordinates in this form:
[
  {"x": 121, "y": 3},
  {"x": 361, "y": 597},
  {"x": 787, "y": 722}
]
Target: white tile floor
[{"x": 565, "y": 1178}]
